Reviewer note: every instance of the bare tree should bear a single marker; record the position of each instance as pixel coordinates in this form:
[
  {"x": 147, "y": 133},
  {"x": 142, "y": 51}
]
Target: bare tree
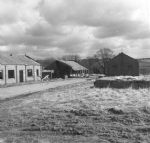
[{"x": 104, "y": 55}]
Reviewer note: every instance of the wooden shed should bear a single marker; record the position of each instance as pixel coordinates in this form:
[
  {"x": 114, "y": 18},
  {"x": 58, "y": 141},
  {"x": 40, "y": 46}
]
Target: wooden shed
[
  {"x": 18, "y": 69},
  {"x": 122, "y": 64},
  {"x": 64, "y": 69}
]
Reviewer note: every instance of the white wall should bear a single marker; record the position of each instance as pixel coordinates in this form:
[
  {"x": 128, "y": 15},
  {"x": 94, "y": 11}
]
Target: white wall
[
  {"x": 35, "y": 73},
  {"x": 10, "y": 80},
  {"x": 16, "y": 69},
  {"x": 20, "y": 67},
  {"x": 32, "y": 77}
]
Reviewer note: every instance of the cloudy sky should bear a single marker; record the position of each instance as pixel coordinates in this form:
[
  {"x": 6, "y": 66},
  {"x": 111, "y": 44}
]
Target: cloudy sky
[{"x": 46, "y": 28}]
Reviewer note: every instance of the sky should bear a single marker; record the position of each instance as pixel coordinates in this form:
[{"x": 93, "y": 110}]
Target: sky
[{"x": 52, "y": 28}]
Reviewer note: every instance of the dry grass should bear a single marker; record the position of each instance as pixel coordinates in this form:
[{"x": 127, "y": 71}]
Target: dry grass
[{"x": 78, "y": 113}]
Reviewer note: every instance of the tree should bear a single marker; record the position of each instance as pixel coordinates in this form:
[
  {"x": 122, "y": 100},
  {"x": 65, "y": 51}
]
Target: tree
[
  {"x": 92, "y": 64},
  {"x": 104, "y": 55}
]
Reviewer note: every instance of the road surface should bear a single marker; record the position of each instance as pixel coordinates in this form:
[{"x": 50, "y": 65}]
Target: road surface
[{"x": 9, "y": 92}]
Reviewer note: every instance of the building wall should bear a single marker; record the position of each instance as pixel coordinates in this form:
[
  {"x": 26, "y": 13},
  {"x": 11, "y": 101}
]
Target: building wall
[
  {"x": 10, "y": 80},
  {"x": 34, "y": 77},
  {"x": 122, "y": 65},
  {"x": 37, "y": 77},
  {"x": 62, "y": 70},
  {"x": 20, "y": 67},
  {"x": 2, "y": 81},
  {"x": 33, "y": 73},
  {"x": 16, "y": 78}
]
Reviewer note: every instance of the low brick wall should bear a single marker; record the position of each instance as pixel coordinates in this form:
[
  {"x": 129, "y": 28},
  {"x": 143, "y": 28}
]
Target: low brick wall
[{"x": 136, "y": 84}]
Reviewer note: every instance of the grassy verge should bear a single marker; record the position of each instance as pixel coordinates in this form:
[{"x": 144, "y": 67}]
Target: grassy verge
[{"x": 78, "y": 113}]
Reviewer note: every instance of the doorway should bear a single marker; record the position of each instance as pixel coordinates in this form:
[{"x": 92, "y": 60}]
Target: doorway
[{"x": 21, "y": 75}]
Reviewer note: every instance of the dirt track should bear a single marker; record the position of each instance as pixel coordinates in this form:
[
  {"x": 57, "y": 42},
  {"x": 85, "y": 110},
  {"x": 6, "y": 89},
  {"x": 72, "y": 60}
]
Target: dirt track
[
  {"x": 78, "y": 113},
  {"x": 13, "y": 91}
]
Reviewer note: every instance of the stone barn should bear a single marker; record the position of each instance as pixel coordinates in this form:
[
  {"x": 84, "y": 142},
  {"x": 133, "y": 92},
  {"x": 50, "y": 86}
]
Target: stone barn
[
  {"x": 18, "y": 69},
  {"x": 64, "y": 69},
  {"x": 122, "y": 65}
]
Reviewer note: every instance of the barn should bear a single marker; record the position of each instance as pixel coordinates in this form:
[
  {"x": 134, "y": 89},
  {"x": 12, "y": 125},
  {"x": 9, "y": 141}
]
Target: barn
[
  {"x": 122, "y": 64},
  {"x": 18, "y": 69},
  {"x": 64, "y": 69}
]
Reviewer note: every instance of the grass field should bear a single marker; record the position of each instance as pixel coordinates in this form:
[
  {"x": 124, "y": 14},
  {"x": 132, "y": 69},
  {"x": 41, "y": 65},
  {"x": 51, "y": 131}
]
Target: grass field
[{"x": 77, "y": 113}]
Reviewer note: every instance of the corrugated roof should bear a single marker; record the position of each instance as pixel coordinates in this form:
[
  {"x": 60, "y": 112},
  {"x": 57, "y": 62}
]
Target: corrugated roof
[
  {"x": 75, "y": 66},
  {"x": 17, "y": 60}
]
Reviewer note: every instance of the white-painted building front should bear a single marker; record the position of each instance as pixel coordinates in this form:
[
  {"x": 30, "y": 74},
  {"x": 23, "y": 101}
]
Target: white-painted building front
[{"x": 18, "y": 69}]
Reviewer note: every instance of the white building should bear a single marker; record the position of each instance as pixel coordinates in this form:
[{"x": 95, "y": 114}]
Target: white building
[{"x": 17, "y": 69}]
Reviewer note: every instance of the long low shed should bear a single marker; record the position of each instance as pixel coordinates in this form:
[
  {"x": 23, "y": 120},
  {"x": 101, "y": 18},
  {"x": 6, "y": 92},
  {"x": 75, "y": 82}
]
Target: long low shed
[
  {"x": 64, "y": 69},
  {"x": 18, "y": 69}
]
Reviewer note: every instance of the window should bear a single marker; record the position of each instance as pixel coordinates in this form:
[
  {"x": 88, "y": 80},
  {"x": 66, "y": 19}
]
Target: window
[
  {"x": 1, "y": 74},
  {"x": 11, "y": 74},
  {"x": 37, "y": 72},
  {"x": 29, "y": 72}
]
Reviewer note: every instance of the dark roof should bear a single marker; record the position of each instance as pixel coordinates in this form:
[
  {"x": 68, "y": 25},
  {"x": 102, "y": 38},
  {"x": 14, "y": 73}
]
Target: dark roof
[
  {"x": 123, "y": 55},
  {"x": 75, "y": 66},
  {"x": 17, "y": 60}
]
